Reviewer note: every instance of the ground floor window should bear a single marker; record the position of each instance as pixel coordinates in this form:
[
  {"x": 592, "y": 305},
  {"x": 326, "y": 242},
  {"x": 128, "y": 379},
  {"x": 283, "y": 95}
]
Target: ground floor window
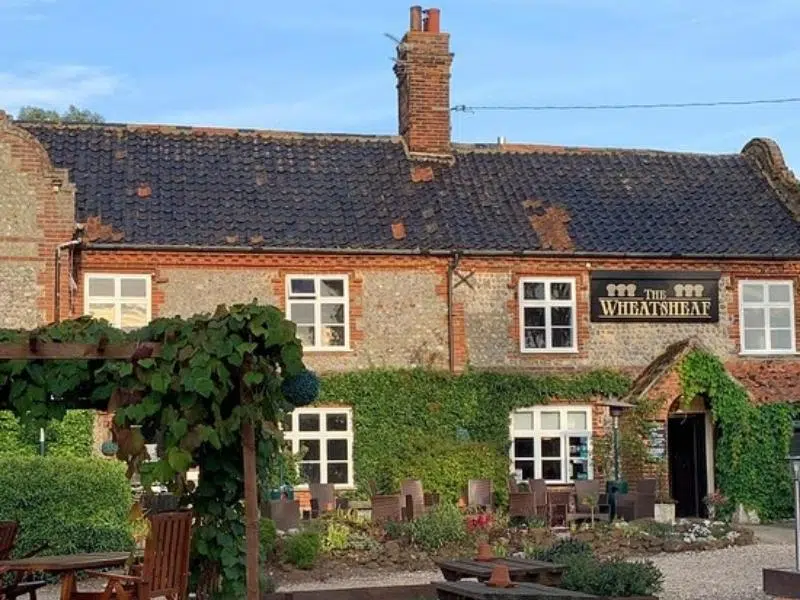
[
  {"x": 552, "y": 443},
  {"x": 324, "y": 436}
]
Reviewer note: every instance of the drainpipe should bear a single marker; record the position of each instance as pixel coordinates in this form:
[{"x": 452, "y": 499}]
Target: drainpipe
[
  {"x": 57, "y": 291},
  {"x": 452, "y": 265}
]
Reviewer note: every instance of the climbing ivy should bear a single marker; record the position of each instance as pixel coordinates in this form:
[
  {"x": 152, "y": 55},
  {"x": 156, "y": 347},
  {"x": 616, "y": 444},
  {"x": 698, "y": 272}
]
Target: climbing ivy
[
  {"x": 445, "y": 428},
  {"x": 750, "y": 458},
  {"x": 189, "y": 401}
]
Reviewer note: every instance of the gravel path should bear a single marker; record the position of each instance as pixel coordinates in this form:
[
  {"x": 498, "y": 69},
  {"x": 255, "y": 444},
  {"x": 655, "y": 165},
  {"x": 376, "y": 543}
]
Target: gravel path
[{"x": 732, "y": 574}]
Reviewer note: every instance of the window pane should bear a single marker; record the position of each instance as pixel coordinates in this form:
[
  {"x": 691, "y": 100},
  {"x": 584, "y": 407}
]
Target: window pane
[
  {"x": 308, "y": 422},
  {"x": 306, "y": 335},
  {"x": 310, "y": 472},
  {"x": 337, "y": 449},
  {"x": 752, "y": 292},
  {"x": 526, "y": 467},
  {"x": 333, "y": 335},
  {"x": 753, "y": 317},
  {"x": 551, "y": 469},
  {"x": 133, "y": 288},
  {"x": 332, "y": 288},
  {"x": 101, "y": 286},
  {"x": 551, "y": 447},
  {"x": 576, "y": 420},
  {"x": 523, "y": 448},
  {"x": 579, "y": 470},
  {"x": 780, "y": 292},
  {"x": 301, "y": 286},
  {"x": 561, "y": 315},
  {"x": 780, "y": 317},
  {"x": 301, "y": 313},
  {"x": 336, "y": 422},
  {"x": 332, "y": 313},
  {"x": 562, "y": 337},
  {"x": 533, "y": 291},
  {"x": 535, "y": 338},
  {"x": 754, "y": 339},
  {"x": 781, "y": 339},
  {"x": 561, "y": 291},
  {"x": 534, "y": 317},
  {"x": 578, "y": 446},
  {"x": 522, "y": 420},
  {"x": 337, "y": 473},
  {"x": 551, "y": 420},
  {"x": 310, "y": 448},
  {"x": 133, "y": 316},
  {"x": 102, "y": 311}
]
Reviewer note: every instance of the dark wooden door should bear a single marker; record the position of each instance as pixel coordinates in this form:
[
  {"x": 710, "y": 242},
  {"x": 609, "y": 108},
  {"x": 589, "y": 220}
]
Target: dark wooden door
[{"x": 686, "y": 441}]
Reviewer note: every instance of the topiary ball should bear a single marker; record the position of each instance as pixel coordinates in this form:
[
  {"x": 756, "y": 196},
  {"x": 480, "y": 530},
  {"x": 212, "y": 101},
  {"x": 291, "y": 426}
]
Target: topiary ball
[
  {"x": 302, "y": 389},
  {"x": 109, "y": 448}
]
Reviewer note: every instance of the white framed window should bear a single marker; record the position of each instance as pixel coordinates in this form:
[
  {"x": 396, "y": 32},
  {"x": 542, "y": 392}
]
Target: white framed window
[
  {"x": 122, "y": 300},
  {"x": 547, "y": 314},
  {"x": 551, "y": 443},
  {"x": 766, "y": 317},
  {"x": 325, "y": 436},
  {"x": 318, "y": 305}
]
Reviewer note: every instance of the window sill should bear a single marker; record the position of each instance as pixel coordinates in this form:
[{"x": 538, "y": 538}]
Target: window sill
[
  {"x": 341, "y": 487},
  {"x": 769, "y": 354},
  {"x": 551, "y": 351},
  {"x": 343, "y": 350}
]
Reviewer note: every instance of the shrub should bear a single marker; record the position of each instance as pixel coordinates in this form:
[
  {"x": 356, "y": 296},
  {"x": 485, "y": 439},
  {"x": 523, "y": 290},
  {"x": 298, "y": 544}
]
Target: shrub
[
  {"x": 73, "y": 505},
  {"x": 268, "y": 535},
  {"x": 71, "y": 436},
  {"x": 396, "y": 530},
  {"x": 563, "y": 551},
  {"x": 612, "y": 578},
  {"x": 336, "y": 537},
  {"x": 444, "y": 524},
  {"x": 301, "y": 549}
]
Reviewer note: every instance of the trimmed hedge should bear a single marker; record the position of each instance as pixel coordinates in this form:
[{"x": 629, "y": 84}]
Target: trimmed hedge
[
  {"x": 74, "y": 505},
  {"x": 445, "y": 428},
  {"x": 71, "y": 436}
]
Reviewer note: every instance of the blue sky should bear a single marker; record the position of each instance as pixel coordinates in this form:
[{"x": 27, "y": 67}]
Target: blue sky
[{"x": 324, "y": 65}]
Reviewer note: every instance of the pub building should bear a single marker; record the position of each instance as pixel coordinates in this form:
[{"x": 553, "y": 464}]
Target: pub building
[{"x": 412, "y": 250}]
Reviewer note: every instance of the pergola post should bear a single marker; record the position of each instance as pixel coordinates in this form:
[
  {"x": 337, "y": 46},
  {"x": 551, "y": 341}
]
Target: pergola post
[{"x": 250, "y": 498}]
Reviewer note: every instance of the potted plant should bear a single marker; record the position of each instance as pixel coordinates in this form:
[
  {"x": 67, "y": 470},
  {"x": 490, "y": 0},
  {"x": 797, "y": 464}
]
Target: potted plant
[
  {"x": 714, "y": 502},
  {"x": 664, "y": 508}
]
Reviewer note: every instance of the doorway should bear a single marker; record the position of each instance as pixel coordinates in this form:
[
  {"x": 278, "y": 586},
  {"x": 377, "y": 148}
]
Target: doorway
[{"x": 686, "y": 442}]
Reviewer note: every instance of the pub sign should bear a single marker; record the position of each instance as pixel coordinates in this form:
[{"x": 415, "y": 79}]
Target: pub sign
[{"x": 654, "y": 296}]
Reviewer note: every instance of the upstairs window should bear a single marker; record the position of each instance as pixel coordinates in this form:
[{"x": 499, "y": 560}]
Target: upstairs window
[
  {"x": 122, "y": 300},
  {"x": 318, "y": 305},
  {"x": 547, "y": 315},
  {"x": 766, "y": 317}
]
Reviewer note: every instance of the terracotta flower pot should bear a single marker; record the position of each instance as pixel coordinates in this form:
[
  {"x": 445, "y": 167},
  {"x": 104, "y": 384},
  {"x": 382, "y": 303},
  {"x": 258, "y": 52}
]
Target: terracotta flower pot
[
  {"x": 484, "y": 552},
  {"x": 501, "y": 578}
]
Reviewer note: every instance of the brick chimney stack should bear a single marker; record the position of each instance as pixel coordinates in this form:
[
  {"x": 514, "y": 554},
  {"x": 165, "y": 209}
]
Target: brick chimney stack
[{"x": 423, "y": 84}]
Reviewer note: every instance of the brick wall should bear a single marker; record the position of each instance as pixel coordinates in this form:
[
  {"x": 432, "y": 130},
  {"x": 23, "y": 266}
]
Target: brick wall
[{"x": 37, "y": 211}]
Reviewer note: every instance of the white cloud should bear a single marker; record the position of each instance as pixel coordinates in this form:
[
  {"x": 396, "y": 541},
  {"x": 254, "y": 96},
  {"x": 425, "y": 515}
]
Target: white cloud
[{"x": 54, "y": 86}]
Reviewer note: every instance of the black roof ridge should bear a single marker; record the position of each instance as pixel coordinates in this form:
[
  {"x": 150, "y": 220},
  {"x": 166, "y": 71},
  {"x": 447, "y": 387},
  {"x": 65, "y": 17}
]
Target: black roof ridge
[
  {"x": 211, "y": 130},
  {"x": 533, "y": 148}
]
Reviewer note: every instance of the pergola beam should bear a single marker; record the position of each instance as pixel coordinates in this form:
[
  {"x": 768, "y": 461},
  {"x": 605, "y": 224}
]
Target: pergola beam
[{"x": 38, "y": 350}]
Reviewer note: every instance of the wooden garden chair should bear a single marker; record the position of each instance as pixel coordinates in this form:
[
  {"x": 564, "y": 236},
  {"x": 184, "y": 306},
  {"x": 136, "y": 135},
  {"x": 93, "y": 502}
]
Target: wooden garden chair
[
  {"x": 164, "y": 572},
  {"x": 480, "y": 494},
  {"x": 18, "y": 587}
]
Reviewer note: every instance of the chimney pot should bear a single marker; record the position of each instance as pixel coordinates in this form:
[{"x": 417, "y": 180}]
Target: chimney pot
[
  {"x": 416, "y": 18},
  {"x": 432, "y": 18},
  {"x": 501, "y": 140}
]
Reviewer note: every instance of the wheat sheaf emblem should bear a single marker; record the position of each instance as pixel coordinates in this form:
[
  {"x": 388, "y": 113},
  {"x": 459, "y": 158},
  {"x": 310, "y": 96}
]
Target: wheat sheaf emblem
[
  {"x": 621, "y": 290},
  {"x": 689, "y": 290}
]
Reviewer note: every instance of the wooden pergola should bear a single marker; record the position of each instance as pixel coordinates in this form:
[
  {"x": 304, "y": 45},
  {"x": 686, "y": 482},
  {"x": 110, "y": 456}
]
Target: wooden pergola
[{"x": 35, "y": 349}]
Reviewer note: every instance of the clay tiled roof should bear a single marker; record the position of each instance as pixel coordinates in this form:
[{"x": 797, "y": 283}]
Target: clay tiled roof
[{"x": 198, "y": 187}]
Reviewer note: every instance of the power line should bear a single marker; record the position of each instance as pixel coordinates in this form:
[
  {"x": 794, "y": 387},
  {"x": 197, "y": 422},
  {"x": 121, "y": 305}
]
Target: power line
[{"x": 546, "y": 107}]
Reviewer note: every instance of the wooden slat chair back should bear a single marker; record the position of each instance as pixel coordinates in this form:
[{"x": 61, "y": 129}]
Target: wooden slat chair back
[
  {"x": 166, "y": 555},
  {"x": 323, "y": 498},
  {"x": 413, "y": 498},
  {"x": 8, "y": 536}
]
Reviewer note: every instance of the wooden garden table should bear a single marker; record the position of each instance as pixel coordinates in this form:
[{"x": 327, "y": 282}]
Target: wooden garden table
[
  {"x": 520, "y": 569},
  {"x": 473, "y": 590},
  {"x": 66, "y": 566}
]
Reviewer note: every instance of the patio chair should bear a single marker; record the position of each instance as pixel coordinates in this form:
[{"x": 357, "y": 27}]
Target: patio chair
[
  {"x": 164, "y": 572},
  {"x": 640, "y": 504},
  {"x": 323, "y": 498},
  {"x": 18, "y": 586},
  {"x": 527, "y": 504},
  {"x": 480, "y": 494},
  {"x": 285, "y": 513},
  {"x": 582, "y": 510},
  {"x": 558, "y": 507}
]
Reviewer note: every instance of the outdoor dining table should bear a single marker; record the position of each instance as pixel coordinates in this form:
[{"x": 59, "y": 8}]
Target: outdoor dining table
[
  {"x": 66, "y": 566},
  {"x": 519, "y": 569},
  {"x": 474, "y": 590}
]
